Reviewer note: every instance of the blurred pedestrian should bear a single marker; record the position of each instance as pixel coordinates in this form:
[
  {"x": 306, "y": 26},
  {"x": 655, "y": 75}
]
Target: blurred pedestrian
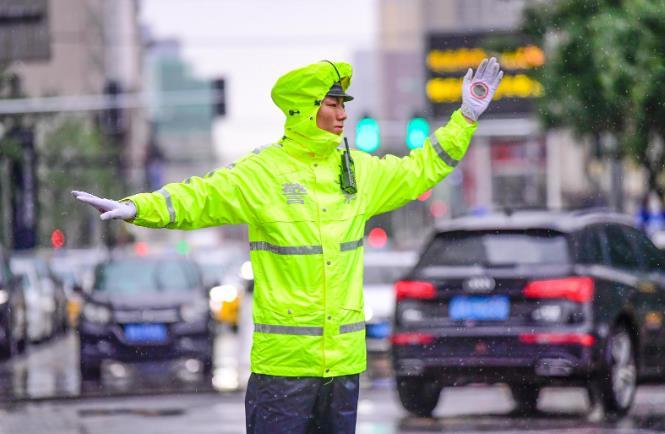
[{"x": 306, "y": 203}]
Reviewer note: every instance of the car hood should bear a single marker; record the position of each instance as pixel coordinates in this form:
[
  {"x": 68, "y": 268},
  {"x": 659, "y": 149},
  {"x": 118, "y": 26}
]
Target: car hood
[{"x": 152, "y": 300}]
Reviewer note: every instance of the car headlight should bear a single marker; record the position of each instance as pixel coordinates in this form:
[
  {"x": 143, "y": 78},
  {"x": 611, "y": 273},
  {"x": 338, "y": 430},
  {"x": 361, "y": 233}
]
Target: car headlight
[
  {"x": 97, "y": 313},
  {"x": 223, "y": 294},
  {"x": 194, "y": 312},
  {"x": 4, "y": 296},
  {"x": 369, "y": 313},
  {"x": 246, "y": 271}
]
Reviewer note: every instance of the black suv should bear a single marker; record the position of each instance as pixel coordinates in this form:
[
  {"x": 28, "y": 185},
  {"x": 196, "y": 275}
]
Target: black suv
[
  {"x": 146, "y": 309},
  {"x": 532, "y": 299}
]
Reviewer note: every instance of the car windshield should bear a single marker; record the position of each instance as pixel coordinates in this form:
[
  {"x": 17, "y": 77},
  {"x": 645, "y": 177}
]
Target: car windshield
[
  {"x": 496, "y": 249},
  {"x": 167, "y": 275}
]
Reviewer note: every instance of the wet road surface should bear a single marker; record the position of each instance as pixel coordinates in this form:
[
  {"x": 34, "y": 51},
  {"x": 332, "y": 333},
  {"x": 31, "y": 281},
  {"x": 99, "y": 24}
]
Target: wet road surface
[{"x": 41, "y": 392}]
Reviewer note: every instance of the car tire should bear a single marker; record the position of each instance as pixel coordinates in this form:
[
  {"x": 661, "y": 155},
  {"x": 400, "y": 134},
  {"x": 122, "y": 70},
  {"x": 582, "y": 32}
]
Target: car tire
[
  {"x": 525, "y": 397},
  {"x": 23, "y": 343},
  {"x": 615, "y": 386},
  {"x": 10, "y": 347},
  {"x": 90, "y": 371},
  {"x": 419, "y": 395}
]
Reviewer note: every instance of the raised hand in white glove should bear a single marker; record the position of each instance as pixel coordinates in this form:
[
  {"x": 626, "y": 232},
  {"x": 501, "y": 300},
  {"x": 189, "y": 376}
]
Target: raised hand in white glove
[
  {"x": 109, "y": 209},
  {"x": 478, "y": 90}
]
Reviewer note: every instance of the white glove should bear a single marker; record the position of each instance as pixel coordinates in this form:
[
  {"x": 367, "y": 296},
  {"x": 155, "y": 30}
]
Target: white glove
[
  {"x": 110, "y": 209},
  {"x": 478, "y": 90}
]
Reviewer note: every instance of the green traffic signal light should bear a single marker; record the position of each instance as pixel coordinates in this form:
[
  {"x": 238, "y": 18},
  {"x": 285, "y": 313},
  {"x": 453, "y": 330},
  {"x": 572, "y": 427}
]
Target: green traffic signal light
[
  {"x": 416, "y": 132},
  {"x": 368, "y": 138}
]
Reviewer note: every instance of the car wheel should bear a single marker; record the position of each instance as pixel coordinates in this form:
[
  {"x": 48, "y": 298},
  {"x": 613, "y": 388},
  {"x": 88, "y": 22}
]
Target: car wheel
[
  {"x": 25, "y": 337},
  {"x": 525, "y": 397},
  {"x": 419, "y": 395},
  {"x": 23, "y": 343},
  {"x": 90, "y": 371},
  {"x": 617, "y": 381},
  {"x": 10, "y": 348}
]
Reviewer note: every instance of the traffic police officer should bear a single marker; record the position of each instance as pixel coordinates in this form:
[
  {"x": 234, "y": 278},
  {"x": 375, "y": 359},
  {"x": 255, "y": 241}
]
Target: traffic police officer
[{"x": 306, "y": 203}]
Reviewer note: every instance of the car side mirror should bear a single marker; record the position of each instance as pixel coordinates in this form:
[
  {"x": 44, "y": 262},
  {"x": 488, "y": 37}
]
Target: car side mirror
[{"x": 78, "y": 289}]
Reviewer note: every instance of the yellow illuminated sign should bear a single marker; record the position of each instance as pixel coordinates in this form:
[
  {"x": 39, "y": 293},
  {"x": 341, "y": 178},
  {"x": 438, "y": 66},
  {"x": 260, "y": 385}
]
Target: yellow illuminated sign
[
  {"x": 460, "y": 59},
  {"x": 449, "y": 89}
]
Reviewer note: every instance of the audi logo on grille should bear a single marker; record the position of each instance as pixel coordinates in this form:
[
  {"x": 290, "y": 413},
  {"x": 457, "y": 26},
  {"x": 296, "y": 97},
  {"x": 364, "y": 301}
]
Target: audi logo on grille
[{"x": 479, "y": 284}]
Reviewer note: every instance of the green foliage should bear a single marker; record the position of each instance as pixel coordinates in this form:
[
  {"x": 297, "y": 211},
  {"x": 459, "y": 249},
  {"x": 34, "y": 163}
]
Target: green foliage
[{"x": 604, "y": 71}]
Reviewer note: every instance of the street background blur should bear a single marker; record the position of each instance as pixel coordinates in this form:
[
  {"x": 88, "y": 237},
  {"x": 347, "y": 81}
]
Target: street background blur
[
  {"x": 115, "y": 97},
  {"x": 124, "y": 96}
]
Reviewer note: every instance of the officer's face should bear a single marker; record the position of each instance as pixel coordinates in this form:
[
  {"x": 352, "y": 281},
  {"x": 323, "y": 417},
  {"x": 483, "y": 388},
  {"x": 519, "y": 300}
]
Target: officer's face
[{"x": 331, "y": 115}]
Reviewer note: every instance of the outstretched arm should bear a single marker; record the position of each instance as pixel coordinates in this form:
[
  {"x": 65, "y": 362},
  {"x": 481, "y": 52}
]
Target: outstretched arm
[
  {"x": 224, "y": 196},
  {"x": 391, "y": 182}
]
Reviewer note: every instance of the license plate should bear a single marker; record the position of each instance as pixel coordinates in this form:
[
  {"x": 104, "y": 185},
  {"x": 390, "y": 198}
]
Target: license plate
[
  {"x": 479, "y": 308},
  {"x": 378, "y": 330},
  {"x": 144, "y": 333}
]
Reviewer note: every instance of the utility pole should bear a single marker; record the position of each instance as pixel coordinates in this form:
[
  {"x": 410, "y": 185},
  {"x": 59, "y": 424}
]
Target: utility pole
[
  {"x": 611, "y": 148},
  {"x": 5, "y": 203}
]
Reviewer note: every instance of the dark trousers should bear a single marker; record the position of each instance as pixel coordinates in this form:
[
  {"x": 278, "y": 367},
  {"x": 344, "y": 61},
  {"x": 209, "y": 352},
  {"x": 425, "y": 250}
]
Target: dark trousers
[{"x": 301, "y": 405}]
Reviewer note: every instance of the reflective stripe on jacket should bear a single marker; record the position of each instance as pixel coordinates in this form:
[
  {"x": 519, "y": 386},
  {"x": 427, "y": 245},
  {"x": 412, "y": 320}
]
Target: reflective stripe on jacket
[{"x": 306, "y": 238}]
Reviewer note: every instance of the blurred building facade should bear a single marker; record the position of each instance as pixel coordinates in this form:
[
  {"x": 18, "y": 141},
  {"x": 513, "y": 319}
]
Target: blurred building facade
[
  {"x": 182, "y": 114},
  {"x": 92, "y": 51},
  {"x": 95, "y": 46}
]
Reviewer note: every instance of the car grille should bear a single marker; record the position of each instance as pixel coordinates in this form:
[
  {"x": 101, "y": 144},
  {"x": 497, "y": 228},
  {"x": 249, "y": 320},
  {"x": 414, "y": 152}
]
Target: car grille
[{"x": 146, "y": 316}]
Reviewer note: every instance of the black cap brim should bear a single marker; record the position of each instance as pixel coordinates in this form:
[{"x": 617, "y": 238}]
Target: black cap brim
[{"x": 336, "y": 91}]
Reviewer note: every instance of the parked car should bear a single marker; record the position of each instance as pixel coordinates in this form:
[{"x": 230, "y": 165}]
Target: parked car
[
  {"x": 42, "y": 300},
  {"x": 70, "y": 266},
  {"x": 532, "y": 299},
  {"x": 381, "y": 270},
  {"x": 222, "y": 276},
  {"x": 141, "y": 309},
  {"x": 13, "y": 321}
]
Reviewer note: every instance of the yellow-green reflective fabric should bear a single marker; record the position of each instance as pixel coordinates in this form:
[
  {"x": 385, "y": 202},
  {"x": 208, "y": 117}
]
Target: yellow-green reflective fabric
[
  {"x": 306, "y": 234},
  {"x": 306, "y": 240}
]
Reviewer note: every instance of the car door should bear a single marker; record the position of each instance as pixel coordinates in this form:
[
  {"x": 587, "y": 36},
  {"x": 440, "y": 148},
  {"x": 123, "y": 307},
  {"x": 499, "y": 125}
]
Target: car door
[
  {"x": 592, "y": 258},
  {"x": 646, "y": 303},
  {"x": 652, "y": 280}
]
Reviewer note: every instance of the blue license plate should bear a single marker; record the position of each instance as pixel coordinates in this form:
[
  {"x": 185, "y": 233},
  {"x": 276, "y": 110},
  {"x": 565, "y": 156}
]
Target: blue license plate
[
  {"x": 146, "y": 333},
  {"x": 378, "y": 330},
  {"x": 479, "y": 308}
]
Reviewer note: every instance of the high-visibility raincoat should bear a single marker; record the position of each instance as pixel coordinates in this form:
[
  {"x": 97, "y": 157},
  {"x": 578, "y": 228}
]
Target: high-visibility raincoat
[{"x": 305, "y": 233}]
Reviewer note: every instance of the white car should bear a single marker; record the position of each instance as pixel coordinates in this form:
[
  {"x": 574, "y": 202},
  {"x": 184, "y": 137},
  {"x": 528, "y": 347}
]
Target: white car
[
  {"x": 39, "y": 298},
  {"x": 382, "y": 270}
]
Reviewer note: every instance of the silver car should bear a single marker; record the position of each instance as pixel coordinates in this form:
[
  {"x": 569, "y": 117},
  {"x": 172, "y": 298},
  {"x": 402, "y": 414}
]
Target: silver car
[
  {"x": 382, "y": 269},
  {"x": 40, "y": 297}
]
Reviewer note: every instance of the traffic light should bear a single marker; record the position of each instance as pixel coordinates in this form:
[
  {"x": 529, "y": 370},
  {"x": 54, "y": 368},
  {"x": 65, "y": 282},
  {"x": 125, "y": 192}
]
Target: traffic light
[
  {"x": 368, "y": 138},
  {"x": 57, "y": 239},
  {"x": 112, "y": 118},
  {"x": 416, "y": 132},
  {"x": 219, "y": 96}
]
